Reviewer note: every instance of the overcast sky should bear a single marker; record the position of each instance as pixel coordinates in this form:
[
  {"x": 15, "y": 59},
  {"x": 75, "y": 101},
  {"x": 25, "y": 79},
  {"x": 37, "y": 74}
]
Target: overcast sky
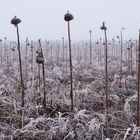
[{"x": 45, "y": 18}]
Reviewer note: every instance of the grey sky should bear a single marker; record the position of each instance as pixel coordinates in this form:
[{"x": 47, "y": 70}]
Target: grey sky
[{"x": 44, "y": 18}]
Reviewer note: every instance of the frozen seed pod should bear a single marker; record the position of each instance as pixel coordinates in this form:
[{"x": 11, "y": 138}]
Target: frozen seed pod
[
  {"x": 39, "y": 59},
  {"x": 15, "y": 21},
  {"x": 68, "y": 17},
  {"x": 103, "y": 27}
]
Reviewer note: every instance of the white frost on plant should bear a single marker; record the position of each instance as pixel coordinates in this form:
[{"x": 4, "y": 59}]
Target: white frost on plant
[
  {"x": 70, "y": 134},
  {"x": 114, "y": 97},
  {"x": 94, "y": 126},
  {"x": 116, "y": 76},
  {"x": 81, "y": 115},
  {"x": 127, "y": 132},
  {"x": 129, "y": 77},
  {"x": 127, "y": 107},
  {"x": 101, "y": 117},
  {"x": 63, "y": 122}
]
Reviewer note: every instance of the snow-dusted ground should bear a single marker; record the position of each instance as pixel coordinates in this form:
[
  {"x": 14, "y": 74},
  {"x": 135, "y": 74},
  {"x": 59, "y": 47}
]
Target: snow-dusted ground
[{"x": 89, "y": 121}]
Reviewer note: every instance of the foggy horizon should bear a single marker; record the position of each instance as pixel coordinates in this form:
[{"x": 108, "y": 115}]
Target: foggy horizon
[{"x": 45, "y": 19}]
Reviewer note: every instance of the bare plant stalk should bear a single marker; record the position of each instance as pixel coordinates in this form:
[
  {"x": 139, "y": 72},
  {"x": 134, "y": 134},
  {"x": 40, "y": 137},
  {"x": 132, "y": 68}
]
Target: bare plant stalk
[
  {"x": 138, "y": 86},
  {"x": 63, "y": 48},
  {"x": 44, "y": 82},
  {"x": 121, "y": 55},
  {"x": 106, "y": 77},
  {"x": 86, "y": 52},
  {"x": 113, "y": 47},
  {"x": 100, "y": 51},
  {"x": 136, "y": 52},
  {"x": 1, "y": 52},
  {"x": 66, "y": 57},
  {"x": 90, "y": 47},
  {"x": 121, "y": 58},
  {"x": 67, "y": 18},
  {"x": 106, "y": 68},
  {"x": 26, "y": 51},
  {"x": 129, "y": 60},
  {"x": 98, "y": 48},
  {"x": 44, "y": 87},
  {"x": 39, "y": 82},
  {"x": 32, "y": 57},
  {"x": 106, "y": 71},
  {"x": 71, "y": 76},
  {"x": 32, "y": 63},
  {"x": 20, "y": 64},
  {"x": 131, "y": 57},
  {"x": 7, "y": 55}
]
